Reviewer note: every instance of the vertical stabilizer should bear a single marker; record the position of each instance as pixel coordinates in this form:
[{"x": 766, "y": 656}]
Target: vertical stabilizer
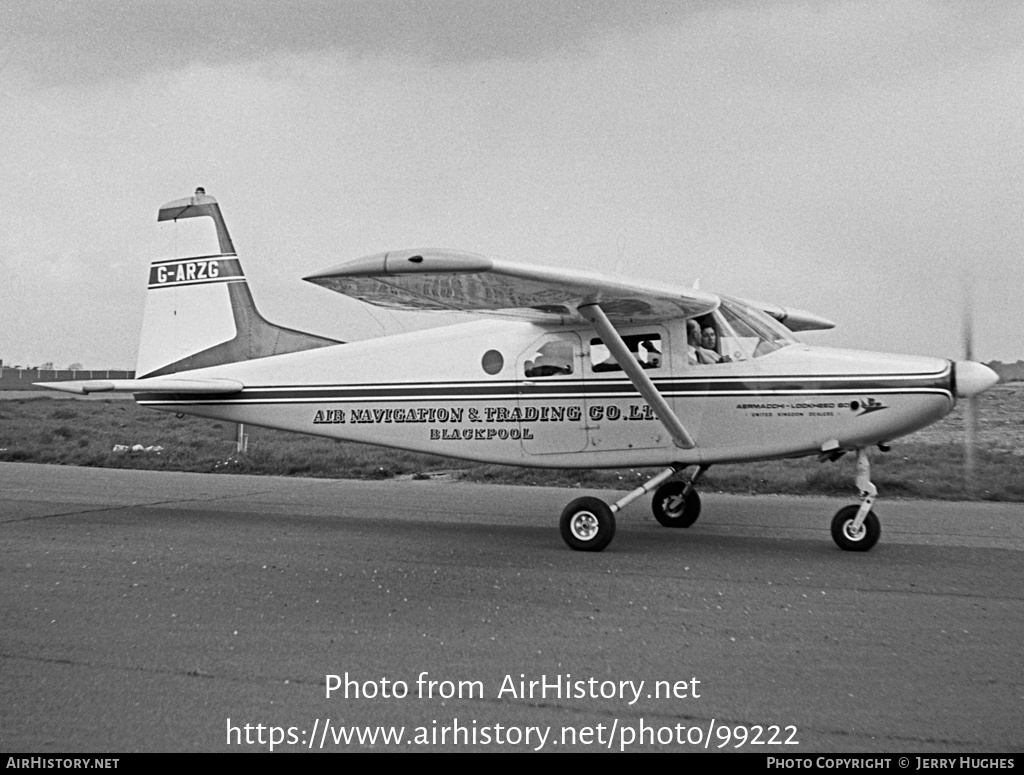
[{"x": 199, "y": 311}]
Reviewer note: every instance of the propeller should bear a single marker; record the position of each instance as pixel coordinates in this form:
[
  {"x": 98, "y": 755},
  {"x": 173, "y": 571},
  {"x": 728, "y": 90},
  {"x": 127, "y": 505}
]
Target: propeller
[
  {"x": 972, "y": 378},
  {"x": 971, "y": 406}
]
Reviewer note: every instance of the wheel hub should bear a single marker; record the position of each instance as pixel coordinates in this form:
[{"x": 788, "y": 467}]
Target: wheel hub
[
  {"x": 674, "y": 506},
  {"x": 584, "y": 526},
  {"x": 852, "y": 533}
]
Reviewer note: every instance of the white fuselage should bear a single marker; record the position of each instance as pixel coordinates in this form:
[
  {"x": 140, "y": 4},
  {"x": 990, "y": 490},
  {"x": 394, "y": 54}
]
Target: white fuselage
[{"x": 463, "y": 391}]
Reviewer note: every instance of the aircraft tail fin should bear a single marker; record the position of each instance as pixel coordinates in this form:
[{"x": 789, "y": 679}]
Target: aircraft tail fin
[{"x": 199, "y": 311}]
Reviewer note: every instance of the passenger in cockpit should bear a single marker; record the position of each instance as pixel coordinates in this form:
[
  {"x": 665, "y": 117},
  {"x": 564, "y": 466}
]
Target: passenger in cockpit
[
  {"x": 650, "y": 358},
  {"x": 552, "y": 358},
  {"x": 692, "y": 341}
]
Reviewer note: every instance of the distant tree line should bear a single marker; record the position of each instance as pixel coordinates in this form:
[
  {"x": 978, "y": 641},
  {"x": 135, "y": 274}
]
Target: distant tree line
[
  {"x": 48, "y": 366},
  {"x": 1008, "y": 372},
  {"x": 21, "y": 378}
]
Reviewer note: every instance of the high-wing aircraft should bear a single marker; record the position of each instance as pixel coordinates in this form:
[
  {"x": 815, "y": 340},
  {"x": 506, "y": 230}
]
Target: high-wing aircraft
[{"x": 556, "y": 369}]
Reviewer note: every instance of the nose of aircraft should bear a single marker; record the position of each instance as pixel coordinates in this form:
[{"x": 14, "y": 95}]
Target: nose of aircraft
[{"x": 973, "y": 378}]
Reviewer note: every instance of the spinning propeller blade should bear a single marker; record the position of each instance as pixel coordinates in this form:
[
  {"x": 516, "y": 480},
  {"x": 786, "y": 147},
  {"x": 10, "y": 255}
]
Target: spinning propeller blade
[
  {"x": 970, "y": 407},
  {"x": 972, "y": 378}
]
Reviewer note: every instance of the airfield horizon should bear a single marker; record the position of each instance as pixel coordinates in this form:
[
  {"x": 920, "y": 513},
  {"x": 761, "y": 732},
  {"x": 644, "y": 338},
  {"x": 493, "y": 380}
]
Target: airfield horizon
[{"x": 86, "y": 432}]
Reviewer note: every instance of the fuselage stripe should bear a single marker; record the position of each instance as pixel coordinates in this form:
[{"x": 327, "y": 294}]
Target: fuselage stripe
[
  {"x": 453, "y": 391},
  {"x": 622, "y": 383}
]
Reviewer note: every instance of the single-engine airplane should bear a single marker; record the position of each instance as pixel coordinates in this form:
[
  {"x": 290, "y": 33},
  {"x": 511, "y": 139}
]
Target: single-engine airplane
[{"x": 566, "y": 369}]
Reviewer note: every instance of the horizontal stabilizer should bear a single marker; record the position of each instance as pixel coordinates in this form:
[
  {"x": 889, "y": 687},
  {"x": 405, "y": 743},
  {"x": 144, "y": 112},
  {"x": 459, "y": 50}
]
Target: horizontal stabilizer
[{"x": 155, "y": 385}]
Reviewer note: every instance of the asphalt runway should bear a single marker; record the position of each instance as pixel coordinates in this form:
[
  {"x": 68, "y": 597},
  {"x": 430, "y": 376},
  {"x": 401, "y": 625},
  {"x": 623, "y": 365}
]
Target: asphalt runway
[{"x": 146, "y": 611}]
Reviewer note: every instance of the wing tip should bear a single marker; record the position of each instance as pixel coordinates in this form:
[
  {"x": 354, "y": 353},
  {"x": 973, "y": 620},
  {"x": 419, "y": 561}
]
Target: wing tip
[
  {"x": 80, "y": 388},
  {"x": 409, "y": 261}
]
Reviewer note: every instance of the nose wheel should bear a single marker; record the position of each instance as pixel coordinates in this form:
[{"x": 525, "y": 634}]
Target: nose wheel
[
  {"x": 851, "y": 537},
  {"x": 856, "y": 528}
]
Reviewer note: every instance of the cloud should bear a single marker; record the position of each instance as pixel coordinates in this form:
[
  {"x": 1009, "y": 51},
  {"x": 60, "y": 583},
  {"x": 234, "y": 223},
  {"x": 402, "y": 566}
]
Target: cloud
[
  {"x": 62, "y": 42},
  {"x": 58, "y": 42},
  {"x": 846, "y": 157}
]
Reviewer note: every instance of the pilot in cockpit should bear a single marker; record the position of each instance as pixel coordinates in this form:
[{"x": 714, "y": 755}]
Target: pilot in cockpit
[{"x": 709, "y": 344}]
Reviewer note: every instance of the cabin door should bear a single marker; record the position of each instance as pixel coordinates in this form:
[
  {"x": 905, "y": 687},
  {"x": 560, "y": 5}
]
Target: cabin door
[
  {"x": 552, "y": 409},
  {"x": 618, "y": 416}
]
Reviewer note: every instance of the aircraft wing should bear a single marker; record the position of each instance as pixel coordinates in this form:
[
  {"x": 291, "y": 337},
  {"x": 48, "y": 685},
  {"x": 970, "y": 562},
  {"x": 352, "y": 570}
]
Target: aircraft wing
[
  {"x": 445, "y": 280},
  {"x": 154, "y": 385}
]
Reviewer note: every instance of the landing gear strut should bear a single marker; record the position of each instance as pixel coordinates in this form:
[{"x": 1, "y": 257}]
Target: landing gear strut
[
  {"x": 588, "y": 524},
  {"x": 856, "y": 528}
]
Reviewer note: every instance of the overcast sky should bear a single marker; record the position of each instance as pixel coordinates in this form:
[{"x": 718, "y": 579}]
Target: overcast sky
[{"x": 862, "y": 160}]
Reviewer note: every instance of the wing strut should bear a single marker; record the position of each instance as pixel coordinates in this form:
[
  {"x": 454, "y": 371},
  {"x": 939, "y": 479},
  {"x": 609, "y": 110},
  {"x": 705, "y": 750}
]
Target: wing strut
[{"x": 595, "y": 316}]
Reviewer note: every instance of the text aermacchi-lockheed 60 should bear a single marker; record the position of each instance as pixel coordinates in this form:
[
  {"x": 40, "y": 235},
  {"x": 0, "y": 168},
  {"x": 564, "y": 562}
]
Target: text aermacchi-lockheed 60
[{"x": 557, "y": 369}]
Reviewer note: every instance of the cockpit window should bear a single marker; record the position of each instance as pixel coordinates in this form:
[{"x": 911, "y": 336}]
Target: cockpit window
[
  {"x": 748, "y": 332},
  {"x": 645, "y": 348},
  {"x": 550, "y": 359}
]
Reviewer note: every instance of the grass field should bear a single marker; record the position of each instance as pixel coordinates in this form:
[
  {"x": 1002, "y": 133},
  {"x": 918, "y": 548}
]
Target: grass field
[{"x": 929, "y": 464}]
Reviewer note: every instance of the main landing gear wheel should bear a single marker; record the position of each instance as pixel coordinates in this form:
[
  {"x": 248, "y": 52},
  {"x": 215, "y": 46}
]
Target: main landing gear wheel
[
  {"x": 855, "y": 540},
  {"x": 588, "y": 525},
  {"x": 674, "y": 507}
]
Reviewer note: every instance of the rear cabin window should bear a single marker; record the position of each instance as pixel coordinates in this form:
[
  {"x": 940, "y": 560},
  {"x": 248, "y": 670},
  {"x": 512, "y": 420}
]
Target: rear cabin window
[
  {"x": 551, "y": 359},
  {"x": 645, "y": 348}
]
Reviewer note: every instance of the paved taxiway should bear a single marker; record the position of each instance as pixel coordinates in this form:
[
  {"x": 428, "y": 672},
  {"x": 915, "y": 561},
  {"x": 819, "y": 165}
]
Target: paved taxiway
[{"x": 142, "y": 610}]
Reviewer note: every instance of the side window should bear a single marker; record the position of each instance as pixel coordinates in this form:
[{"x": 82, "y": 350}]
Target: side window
[
  {"x": 645, "y": 348},
  {"x": 550, "y": 359}
]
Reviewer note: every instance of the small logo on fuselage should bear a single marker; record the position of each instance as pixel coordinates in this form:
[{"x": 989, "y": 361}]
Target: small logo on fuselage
[{"x": 867, "y": 406}]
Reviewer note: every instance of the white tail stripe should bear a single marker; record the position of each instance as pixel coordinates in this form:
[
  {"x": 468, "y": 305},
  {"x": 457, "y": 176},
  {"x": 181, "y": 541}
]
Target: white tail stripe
[{"x": 194, "y": 271}]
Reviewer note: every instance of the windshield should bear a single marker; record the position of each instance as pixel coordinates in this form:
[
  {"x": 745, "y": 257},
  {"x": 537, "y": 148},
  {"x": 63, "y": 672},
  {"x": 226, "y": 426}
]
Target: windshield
[{"x": 739, "y": 332}]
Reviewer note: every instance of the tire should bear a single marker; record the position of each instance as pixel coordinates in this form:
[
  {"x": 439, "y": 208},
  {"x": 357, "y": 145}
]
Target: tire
[
  {"x": 672, "y": 509},
  {"x": 861, "y": 542},
  {"x": 587, "y": 525}
]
